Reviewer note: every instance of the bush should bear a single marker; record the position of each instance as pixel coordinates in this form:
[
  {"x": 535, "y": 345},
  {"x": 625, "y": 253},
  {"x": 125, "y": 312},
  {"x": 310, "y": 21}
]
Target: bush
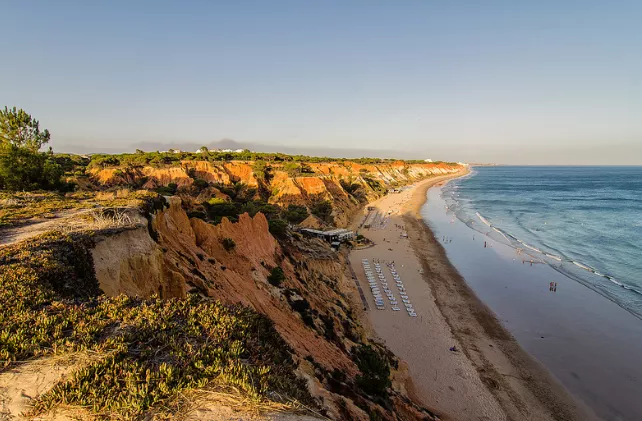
[
  {"x": 323, "y": 210},
  {"x": 24, "y": 169},
  {"x": 278, "y": 227},
  {"x": 262, "y": 171},
  {"x": 276, "y": 276},
  {"x": 293, "y": 169},
  {"x": 201, "y": 184},
  {"x": 375, "y": 377},
  {"x": 217, "y": 209},
  {"x": 296, "y": 214},
  {"x": 228, "y": 244},
  {"x": 169, "y": 190}
]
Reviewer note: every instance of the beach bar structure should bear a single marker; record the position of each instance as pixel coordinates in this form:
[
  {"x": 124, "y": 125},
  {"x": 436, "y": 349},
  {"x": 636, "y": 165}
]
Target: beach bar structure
[{"x": 331, "y": 236}]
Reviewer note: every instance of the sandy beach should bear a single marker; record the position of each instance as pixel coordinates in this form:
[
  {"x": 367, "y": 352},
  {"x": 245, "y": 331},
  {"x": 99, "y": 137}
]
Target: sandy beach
[{"x": 464, "y": 364}]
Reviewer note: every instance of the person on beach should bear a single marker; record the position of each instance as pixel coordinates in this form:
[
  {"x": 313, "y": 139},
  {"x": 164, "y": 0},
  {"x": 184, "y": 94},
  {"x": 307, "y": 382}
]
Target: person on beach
[
  {"x": 484, "y": 244},
  {"x": 550, "y": 286}
]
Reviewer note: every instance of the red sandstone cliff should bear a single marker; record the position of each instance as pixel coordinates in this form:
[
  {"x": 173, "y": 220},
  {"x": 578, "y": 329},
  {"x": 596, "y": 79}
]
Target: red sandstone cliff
[
  {"x": 327, "y": 181},
  {"x": 188, "y": 256}
]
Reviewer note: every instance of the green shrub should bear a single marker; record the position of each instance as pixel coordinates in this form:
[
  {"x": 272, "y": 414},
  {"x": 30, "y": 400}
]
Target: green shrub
[
  {"x": 296, "y": 214},
  {"x": 23, "y": 169},
  {"x": 276, "y": 276},
  {"x": 293, "y": 169},
  {"x": 262, "y": 171},
  {"x": 201, "y": 184},
  {"x": 228, "y": 244},
  {"x": 278, "y": 227},
  {"x": 323, "y": 210},
  {"x": 302, "y": 306},
  {"x": 168, "y": 190},
  {"x": 375, "y": 377}
]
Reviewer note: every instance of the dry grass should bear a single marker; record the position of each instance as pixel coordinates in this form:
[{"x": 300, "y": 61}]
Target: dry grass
[
  {"x": 110, "y": 218},
  {"x": 24, "y": 208},
  {"x": 186, "y": 404}
]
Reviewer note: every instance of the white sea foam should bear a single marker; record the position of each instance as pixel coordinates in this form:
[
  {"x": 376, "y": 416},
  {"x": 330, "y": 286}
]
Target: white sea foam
[
  {"x": 483, "y": 219},
  {"x": 578, "y": 264}
]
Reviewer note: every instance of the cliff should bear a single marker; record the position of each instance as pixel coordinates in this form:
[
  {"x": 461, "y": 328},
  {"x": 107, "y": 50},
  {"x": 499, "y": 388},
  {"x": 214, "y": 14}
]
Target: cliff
[
  {"x": 346, "y": 184},
  {"x": 311, "y": 308},
  {"x": 199, "y": 294}
]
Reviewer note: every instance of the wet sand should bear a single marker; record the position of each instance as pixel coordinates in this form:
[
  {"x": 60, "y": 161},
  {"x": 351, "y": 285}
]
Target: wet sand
[
  {"x": 488, "y": 376},
  {"x": 593, "y": 346}
]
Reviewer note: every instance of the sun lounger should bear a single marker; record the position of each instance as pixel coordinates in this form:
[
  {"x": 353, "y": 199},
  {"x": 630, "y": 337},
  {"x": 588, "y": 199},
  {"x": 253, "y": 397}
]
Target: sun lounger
[{"x": 396, "y": 309}]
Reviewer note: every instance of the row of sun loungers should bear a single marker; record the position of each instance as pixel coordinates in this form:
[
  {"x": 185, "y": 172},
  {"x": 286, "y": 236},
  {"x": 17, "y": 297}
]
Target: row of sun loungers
[
  {"x": 402, "y": 291},
  {"x": 378, "y": 283}
]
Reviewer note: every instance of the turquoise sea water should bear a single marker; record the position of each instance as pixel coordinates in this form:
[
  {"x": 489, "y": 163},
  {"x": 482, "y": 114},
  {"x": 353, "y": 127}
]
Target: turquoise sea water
[{"x": 585, "y": 222}]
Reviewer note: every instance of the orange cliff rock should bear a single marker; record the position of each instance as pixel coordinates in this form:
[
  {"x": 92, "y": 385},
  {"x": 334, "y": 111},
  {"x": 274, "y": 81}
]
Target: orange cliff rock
[
  {"x": 194, "y": 259},
  {"x": 327, "y": 181},
  {"x": 178, "y": 255}
]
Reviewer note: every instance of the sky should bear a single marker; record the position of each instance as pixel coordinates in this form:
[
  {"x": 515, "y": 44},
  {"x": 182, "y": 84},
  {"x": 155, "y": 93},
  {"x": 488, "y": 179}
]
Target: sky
[{"x": 512, "y": 82}]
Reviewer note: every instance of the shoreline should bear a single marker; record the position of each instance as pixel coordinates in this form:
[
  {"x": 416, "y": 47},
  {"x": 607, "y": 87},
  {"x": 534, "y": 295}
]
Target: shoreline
[
  {"x": 591, "y": 345},
  {"x": 489, "y": 375},
  {"x": 532, "y": 378}
]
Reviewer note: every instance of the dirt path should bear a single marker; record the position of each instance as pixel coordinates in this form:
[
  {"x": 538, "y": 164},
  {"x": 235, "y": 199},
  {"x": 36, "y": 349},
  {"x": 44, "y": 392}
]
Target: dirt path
[
  {"x": 63, "y": 220},
  {"x": 71, "y": 220},
  {"x": 23, "y": 383}
]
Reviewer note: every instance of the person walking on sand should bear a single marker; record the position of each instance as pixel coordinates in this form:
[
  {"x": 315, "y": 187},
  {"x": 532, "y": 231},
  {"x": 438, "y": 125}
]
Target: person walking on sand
[
  {"x": 484, "y": 244},
  {"x": 550, "y": 286}
]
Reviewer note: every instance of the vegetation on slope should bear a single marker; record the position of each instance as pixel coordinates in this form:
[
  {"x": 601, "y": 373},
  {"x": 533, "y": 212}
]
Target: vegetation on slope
[
  {"x": 17, "y": 208},
  {"x": 151, "y": 349},
  {"x": 22, "y": 166},
  {"x": 294, "y": 164}
]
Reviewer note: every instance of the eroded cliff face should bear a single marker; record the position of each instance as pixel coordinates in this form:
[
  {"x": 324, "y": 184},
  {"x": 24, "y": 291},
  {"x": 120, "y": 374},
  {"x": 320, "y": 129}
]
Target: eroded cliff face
[
  {"x": 333, "y": 181},
  {"x": 311, "y": 308}
]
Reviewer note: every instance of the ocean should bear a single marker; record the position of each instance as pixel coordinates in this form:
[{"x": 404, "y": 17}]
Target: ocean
[{"x": 585, "y": 222}]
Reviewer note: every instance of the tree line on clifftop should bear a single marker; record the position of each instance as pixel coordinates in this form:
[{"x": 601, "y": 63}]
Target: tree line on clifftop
[{"x": 23, "y": 166}]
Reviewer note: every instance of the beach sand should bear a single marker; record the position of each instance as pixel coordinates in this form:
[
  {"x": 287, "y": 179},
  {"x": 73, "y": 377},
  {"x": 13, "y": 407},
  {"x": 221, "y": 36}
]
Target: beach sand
[{"x": 488, "y": 376}]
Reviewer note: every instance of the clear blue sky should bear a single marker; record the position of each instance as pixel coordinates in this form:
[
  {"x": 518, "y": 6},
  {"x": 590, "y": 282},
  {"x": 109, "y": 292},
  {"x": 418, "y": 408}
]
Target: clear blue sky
[{"x": 504, "y": 81}]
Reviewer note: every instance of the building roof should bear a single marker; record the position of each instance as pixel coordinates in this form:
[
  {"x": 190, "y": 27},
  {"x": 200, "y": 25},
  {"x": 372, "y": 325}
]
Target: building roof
[{"x": 337, "y": 231}]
